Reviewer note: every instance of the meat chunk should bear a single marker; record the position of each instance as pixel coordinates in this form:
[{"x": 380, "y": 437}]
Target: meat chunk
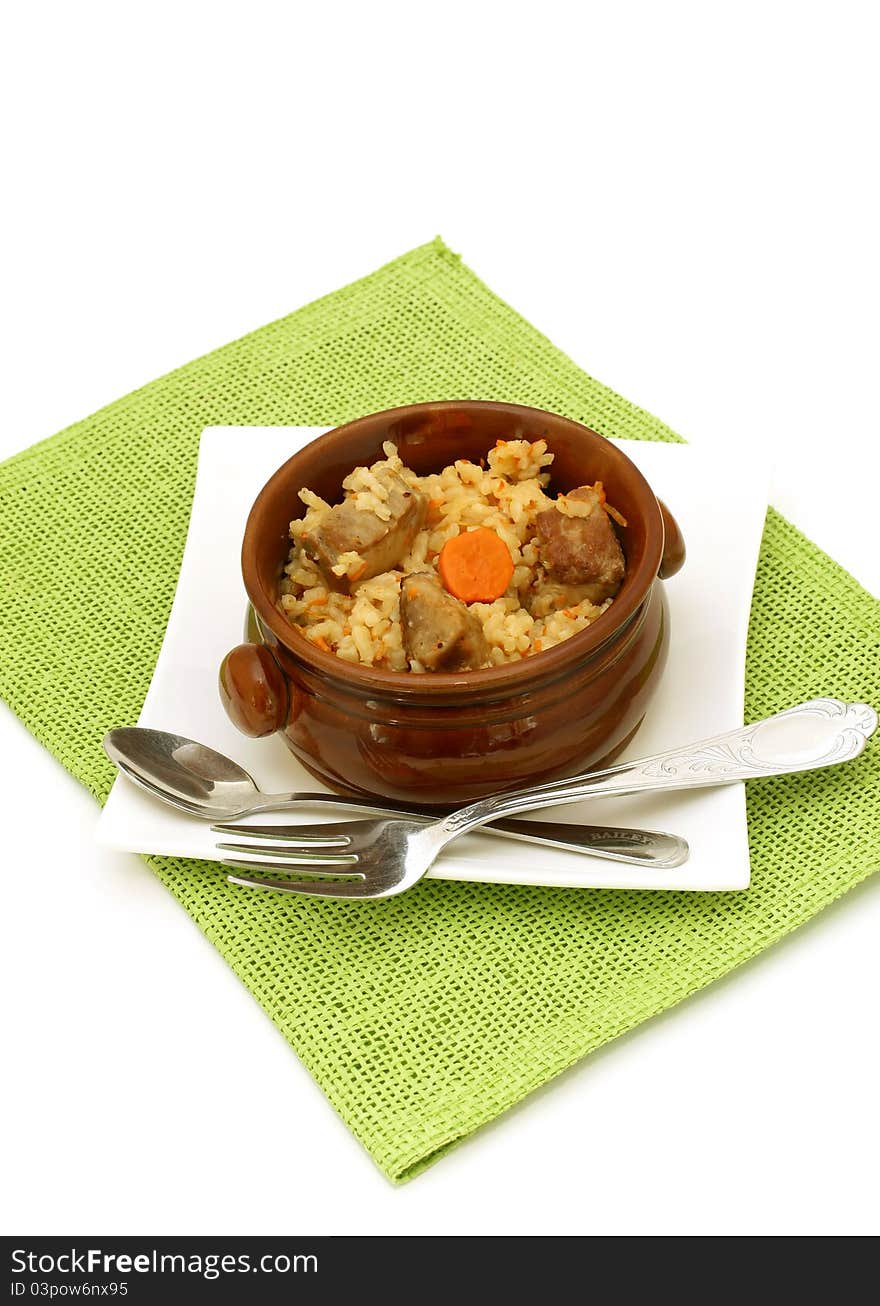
[
  {"x": 439, "y": 630},
  {"x": 381, "y": 544},
  {"x": 582, "y": 550}
]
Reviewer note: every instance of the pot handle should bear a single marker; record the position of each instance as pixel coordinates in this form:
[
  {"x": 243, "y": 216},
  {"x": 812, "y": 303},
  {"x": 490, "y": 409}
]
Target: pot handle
[
  {"x": 674, "y": 551},
  {"x": 253, "y": 690}
]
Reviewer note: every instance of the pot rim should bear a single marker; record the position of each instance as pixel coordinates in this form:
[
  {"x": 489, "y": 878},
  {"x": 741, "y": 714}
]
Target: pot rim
[{"x": 490, "y": 681}]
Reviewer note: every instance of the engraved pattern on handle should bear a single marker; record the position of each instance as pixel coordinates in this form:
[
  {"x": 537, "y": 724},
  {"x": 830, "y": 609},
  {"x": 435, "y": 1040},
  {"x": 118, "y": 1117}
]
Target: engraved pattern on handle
[{"x": 852, "y": 723}]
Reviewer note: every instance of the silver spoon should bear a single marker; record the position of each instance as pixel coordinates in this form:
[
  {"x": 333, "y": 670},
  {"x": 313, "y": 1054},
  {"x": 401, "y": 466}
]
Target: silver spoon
[{"x": 210, "y": 786}]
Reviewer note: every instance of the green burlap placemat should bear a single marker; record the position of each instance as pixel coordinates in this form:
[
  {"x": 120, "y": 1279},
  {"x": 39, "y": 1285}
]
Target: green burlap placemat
[{"x": 425, "y": 1016}]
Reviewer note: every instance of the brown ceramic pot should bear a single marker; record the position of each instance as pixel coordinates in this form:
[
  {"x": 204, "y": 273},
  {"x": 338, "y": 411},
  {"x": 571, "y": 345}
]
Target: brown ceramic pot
[{"x": 446, "y": 739}]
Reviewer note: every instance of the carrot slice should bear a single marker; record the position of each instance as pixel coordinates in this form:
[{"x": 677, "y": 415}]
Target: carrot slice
[{"x": 476, "y": 566}]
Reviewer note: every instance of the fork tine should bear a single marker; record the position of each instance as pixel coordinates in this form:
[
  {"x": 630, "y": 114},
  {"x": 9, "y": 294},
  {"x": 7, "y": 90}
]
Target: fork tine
[
  {"x": 307, "y": 866},
  {"x": 308, "y": 835},
  {"x": 294, "y": 856},
  {"x": 306, "y": 888}
]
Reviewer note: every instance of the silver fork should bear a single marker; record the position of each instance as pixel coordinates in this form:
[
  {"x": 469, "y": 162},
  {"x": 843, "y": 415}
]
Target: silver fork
[{"x": 388, "y": 855}]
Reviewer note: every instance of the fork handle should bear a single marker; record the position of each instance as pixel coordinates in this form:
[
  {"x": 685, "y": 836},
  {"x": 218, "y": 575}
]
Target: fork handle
[{"x": 821, "y": 732}]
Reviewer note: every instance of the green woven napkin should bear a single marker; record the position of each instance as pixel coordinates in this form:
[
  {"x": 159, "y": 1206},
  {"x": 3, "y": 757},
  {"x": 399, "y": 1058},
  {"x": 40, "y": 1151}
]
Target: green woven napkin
[{"x": 424, "y": 1016}]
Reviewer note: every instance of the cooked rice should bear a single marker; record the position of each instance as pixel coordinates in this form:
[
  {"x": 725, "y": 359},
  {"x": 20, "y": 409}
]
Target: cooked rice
[{"x": 506, "y": 496}]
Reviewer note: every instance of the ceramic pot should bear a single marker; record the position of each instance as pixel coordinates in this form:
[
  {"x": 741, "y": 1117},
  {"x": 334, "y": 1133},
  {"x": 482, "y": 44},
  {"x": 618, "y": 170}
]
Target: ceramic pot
[{"x": 442, "y": 739}]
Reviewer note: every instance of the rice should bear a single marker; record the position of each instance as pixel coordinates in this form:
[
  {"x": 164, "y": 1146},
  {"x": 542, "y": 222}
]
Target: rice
[{"x": 506, "y": 495}]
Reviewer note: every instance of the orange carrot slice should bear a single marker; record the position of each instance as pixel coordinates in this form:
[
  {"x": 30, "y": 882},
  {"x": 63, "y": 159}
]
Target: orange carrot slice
[{"x": 476, "y": 566}]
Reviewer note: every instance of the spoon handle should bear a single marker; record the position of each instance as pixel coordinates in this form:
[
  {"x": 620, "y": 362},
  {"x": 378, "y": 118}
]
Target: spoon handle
[
  {"x": 337, "y": 802},
  {"x": 649, "y": 848}
]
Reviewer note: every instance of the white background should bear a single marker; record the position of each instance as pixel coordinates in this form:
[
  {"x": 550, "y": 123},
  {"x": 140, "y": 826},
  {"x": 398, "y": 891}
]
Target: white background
[{"x": 682, "y": 196}]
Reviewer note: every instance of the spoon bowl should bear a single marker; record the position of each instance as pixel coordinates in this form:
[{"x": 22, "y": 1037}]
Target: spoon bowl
[{"x": 188, "y": 775}]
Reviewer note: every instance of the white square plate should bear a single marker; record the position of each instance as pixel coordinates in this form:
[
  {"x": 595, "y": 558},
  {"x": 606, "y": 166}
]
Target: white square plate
[{"x": 721, "y": 512}]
